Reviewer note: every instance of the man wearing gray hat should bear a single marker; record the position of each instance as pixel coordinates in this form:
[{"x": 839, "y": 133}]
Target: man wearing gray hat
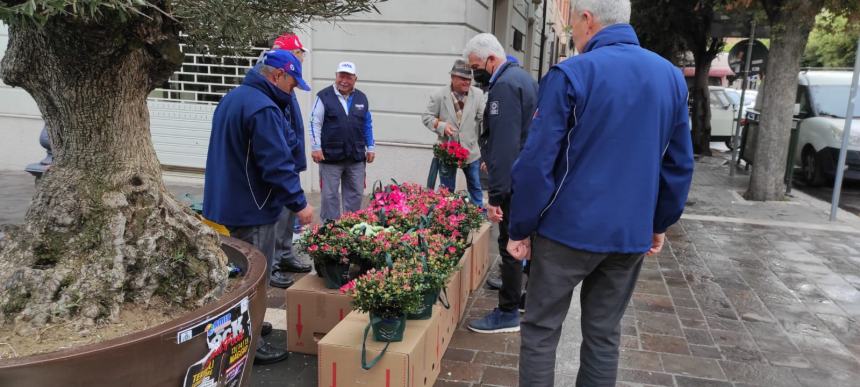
[{"x": 455, "y": 113}]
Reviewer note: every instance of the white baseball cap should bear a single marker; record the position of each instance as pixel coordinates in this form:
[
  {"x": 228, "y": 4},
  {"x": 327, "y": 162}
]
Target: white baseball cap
[{"x": 346, "y": 67}]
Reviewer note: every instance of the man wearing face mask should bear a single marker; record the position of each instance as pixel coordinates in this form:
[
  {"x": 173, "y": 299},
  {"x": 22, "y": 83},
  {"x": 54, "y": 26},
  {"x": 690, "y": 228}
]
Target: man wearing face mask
[
  {"x": 342, "y": 142},
  {"x": 510, "y": 106},
  {"x": 250, "y": 169}
]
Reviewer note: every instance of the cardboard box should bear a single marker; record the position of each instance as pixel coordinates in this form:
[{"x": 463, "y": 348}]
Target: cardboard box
[
  {"x": 449, "y": 318},
  {"x": 480, "y": 256},
  {"x": 413, "y": 362},
  {"x": 313, "y": 311},
  {"x": 465, "y": 281}
]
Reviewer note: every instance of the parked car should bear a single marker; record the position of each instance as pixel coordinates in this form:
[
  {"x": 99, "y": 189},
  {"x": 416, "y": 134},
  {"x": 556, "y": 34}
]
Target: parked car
[
  {"x": 822, "y": 97},
  {"x": 749, "y": 99},
  {"x": 724, "y": 112}
]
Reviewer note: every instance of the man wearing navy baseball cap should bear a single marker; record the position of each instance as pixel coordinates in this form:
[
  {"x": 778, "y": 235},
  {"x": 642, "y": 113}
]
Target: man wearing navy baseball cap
[
  {"x": 251, "y": 170},
  {"x": 287, "y": 63}
]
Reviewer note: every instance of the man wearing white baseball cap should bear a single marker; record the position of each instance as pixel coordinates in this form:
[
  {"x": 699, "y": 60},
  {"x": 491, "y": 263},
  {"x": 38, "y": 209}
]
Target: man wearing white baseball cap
[{"x": 342, "y": 142}]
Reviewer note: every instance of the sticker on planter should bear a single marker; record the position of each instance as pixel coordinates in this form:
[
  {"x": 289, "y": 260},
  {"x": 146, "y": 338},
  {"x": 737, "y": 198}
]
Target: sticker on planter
[{"x": 228, "y": 341}]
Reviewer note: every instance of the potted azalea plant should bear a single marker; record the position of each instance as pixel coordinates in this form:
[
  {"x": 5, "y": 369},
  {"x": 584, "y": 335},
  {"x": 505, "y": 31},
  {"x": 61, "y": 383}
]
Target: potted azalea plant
[
  {"x": 452, "y": 156},
  {"x": 432, "y": 257},
  {"x": 387, "y": 295},
  {"x": 333, "y": 250}
]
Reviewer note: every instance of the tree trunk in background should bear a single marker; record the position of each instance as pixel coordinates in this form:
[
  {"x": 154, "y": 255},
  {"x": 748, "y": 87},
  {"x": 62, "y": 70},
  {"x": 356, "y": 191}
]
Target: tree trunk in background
[
  {"x": 102, "y": 230},
  {"x": 790, "y": 28},
  {"x": 701, "y": 113}
]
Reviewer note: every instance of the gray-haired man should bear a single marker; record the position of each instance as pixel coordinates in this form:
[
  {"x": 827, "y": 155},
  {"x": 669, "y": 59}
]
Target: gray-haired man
[
  {"x": 605, "y": 171},
  {"x": 511, "y": 103}
]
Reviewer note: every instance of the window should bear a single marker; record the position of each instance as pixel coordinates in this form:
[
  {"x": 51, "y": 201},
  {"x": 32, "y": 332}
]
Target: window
[
  {"x": 829, "y": 100},
  {"x": 518, "y": 40},
  {"x": 206, "y": 78}
]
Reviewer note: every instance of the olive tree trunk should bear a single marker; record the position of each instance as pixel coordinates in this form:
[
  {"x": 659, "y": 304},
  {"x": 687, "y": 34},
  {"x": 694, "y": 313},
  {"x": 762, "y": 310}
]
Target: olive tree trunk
[{"x": 102, "y": 230}]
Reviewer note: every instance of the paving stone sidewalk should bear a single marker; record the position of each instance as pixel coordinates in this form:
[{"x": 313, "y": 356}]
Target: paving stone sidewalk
[{"x": 745, "y": 294}]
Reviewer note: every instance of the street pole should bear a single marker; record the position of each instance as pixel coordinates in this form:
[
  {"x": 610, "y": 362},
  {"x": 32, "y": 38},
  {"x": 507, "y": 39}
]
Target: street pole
[
  {"x": 744, "y": 85},
  {"x": 542, "y": 41},
  {"x": 846, "y": 134}
]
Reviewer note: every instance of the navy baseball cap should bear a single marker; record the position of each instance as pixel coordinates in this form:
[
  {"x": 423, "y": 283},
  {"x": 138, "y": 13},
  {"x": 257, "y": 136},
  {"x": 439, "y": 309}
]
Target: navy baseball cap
[{"x": 285, "y": 60}]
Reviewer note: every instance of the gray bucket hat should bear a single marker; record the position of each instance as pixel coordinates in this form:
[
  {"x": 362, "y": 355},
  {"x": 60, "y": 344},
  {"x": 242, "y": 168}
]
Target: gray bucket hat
[{"x": 461, "y": 69}]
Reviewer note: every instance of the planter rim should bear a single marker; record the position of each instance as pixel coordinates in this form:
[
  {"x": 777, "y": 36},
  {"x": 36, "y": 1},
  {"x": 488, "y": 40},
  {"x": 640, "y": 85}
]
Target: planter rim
[{"x": 167, "y": 330}]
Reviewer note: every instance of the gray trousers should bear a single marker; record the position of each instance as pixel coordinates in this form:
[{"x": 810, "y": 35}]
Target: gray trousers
[
  {"x": 351, "y": 175},
  {"x": 284, "y": 237},
  {"x": 263, "y": 238},
  {"x": 607, "y": 280}
]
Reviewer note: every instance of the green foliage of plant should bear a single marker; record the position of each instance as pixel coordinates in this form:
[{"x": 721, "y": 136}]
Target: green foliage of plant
[{"x": 387, "y": 293}]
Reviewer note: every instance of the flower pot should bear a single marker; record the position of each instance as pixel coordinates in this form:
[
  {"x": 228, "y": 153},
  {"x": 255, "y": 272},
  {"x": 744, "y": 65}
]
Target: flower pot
[
  {"x": 388, "y": 329},
  {"x": 159, "y": 356},
  {"x": 427, "y": 303},
  {"x": 335, "y": 275},
  {"x": 447, "y": 170}
]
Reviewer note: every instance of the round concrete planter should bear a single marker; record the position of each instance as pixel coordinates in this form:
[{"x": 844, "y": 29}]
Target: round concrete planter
[{"x": 154, "y": 357}]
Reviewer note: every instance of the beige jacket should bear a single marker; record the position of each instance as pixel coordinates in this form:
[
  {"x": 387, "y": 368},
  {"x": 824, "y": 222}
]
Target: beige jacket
[{"x": 441, "y": 107}]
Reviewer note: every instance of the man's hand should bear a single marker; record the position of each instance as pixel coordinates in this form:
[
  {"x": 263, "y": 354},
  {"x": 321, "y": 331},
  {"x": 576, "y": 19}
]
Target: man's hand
[
  {"x": 306, "y": 216},
  {"x": 450, "y": 130},
  {"x": 370, "y": 157},
  {"x": 520, "y": 249},
  {"x": 317, "y": 156},
  {"x": 484, "y": 167},
  {"x": 495, "y": 214},
  {"x": 657, "y": 244}
]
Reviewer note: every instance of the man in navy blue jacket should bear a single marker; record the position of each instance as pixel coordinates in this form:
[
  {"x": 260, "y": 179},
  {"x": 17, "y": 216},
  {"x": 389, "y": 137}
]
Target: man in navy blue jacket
[
  {"x": 510, "y": 106},
  {"x": 250, "y": 169},
  {"x": 605, "y": 171},
  {"x": 286, "y": 260}
]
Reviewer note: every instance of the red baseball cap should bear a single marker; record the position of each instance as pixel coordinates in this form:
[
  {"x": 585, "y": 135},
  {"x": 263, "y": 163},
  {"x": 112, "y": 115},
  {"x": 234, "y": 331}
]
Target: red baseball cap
[{"x": 289, "y": 42}]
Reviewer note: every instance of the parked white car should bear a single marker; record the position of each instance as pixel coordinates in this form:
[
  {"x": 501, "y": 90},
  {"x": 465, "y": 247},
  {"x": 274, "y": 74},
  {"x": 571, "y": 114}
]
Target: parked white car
[
  {"x": 749, "y": 99},
  {"x": 724, "y": 111},
  {"x": 823, "y": 99}
]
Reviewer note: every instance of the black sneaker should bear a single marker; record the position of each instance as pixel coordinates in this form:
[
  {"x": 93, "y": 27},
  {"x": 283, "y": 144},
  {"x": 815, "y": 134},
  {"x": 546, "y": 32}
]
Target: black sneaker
[
  {"x": 293, "y": 265},
  {"x": 269, "y": 354},
  {"x": 281, "y": 280}
]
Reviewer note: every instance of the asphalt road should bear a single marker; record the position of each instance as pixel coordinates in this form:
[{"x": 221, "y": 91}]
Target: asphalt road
[{"x": 850, "y": 197}]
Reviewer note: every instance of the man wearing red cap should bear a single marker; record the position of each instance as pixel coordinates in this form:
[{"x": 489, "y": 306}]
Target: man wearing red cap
[
  {"x": 285, "y": 258},
  {"x": 291, "y": 43}
]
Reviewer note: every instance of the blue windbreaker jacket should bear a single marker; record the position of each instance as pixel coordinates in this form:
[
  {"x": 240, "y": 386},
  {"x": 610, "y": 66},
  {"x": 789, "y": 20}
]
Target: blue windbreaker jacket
[
  {"x": 251, "y": 171},
  {"x": 608, "y": 161}
]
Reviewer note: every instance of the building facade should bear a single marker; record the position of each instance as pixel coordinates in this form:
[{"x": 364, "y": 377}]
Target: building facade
[{"x": 402, "y": 55}]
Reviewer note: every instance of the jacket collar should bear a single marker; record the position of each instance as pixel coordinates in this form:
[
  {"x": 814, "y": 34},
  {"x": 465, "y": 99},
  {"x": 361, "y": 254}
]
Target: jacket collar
[
  {"x": 614, "y": 34},
  {"x": 499, "y": 71},
  {"x": 258, "y": 81}
]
